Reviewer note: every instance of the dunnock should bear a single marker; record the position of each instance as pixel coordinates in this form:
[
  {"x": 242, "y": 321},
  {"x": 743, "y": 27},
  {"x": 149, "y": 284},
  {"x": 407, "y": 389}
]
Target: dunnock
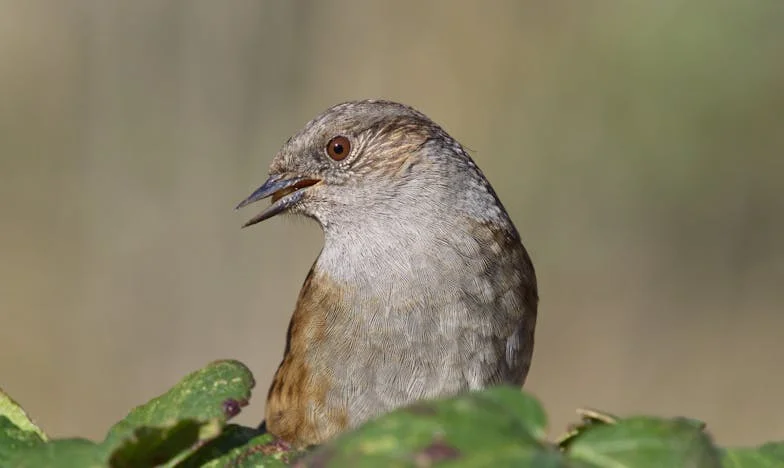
[{"x": 423, "y": 288}]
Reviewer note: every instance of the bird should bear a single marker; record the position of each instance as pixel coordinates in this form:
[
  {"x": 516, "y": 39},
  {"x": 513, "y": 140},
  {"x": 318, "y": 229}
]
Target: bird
[{"x": 423, "y": 288}]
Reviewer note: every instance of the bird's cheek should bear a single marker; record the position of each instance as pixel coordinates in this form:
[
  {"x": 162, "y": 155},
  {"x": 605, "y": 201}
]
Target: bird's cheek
[{"x": 310, "y": 207}]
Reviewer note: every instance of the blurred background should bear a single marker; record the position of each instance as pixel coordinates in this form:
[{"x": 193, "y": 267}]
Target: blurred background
[{"x": 638, "y": 145}]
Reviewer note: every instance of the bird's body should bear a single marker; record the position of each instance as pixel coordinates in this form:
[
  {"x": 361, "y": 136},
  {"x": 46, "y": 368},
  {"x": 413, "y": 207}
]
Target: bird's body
[{"x": 423, "y": 288}]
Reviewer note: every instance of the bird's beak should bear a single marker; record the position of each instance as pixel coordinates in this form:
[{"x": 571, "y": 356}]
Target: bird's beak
[{"x": 285, "y": 193}]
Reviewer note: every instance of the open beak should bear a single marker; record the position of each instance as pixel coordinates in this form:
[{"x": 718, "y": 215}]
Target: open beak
[{"x": 285, "y": 193}]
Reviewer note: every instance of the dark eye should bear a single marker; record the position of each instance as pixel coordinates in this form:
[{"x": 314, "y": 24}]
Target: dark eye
[{"x": 338, "y": 148}]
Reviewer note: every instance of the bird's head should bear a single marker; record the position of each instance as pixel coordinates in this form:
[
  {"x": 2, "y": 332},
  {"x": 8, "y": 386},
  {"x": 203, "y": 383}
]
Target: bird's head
[{"x": 367, "y": 158}]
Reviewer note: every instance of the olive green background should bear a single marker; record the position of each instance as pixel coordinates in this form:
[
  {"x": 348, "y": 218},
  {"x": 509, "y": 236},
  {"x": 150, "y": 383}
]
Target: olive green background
[{"x": 638, "y": 145}]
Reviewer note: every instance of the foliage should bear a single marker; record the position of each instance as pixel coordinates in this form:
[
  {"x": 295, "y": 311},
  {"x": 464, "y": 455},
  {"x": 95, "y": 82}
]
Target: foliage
[{"x": 188, "y": 427}]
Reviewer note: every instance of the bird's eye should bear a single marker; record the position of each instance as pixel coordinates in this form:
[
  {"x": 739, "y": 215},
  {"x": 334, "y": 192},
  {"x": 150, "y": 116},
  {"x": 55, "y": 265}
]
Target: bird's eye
[{"x": 338, "y": 148}]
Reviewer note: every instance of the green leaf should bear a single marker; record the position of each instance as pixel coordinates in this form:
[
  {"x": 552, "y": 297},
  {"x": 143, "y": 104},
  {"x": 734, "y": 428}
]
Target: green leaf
[
  {"x": 191, "y": 412},
  {"x": 164, "y": 430},
  {"x": 14, "y": 412},
  {"x": 154, "y": 446},
  {"x": 240, "y": 447},
  {"x": 497, "y": 427},
  {"x": 232, "y": 437},
  {"x": 588, "y": 418},
  {"x": 770, "y": 455},
  {"x": 17, "y": 431},
  {"x": 61, "y": 453},
  {"x": 642, "y": 442},
  {"x": 14, "y": 439},
  {"x": 218, "y": 391}
]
